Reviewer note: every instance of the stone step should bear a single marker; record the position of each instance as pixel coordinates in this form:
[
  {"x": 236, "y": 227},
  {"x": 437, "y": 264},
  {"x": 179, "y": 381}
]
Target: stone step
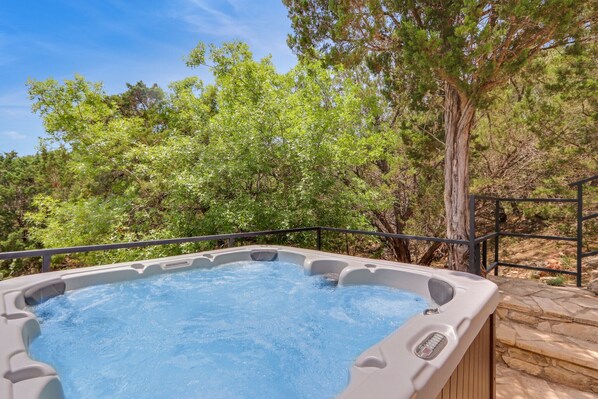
[
  {"x": 580, "y": 329},
  {"x": 563, "y": 310},
  {"x": 581, "y": 309},
  {"x": 547, "y": 355},
  {"x": 513, "y": 384}
]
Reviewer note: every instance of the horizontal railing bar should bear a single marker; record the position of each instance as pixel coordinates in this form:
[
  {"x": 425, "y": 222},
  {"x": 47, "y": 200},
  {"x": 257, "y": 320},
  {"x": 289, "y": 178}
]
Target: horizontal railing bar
[
  {"x": 491, "y": 267},
  {"x": 591, "y": 253},
  {"x": 582, "y": 181},
  {"x": 538, "y": 236},
  {"x": 505, "y": 199},
  {"x": 590, "y": 216},
  {"x": 486, "y": 237},
  {"x": 392, "y": 235},
  {"x": 541, "y": 269},
  {"x": 168, "y": 241},
  {"x": 140, "y": 244}
]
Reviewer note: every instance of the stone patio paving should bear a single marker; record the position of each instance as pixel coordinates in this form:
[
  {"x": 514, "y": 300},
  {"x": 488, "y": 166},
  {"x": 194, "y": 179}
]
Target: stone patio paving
[
  {"x": 513, "y": 384},
  {"x": 548, "y": 336},
  {"x": 538, "y": 299}
]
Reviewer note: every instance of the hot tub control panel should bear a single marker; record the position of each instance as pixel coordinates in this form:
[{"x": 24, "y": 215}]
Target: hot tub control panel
[{"x": 431, "y": 346}]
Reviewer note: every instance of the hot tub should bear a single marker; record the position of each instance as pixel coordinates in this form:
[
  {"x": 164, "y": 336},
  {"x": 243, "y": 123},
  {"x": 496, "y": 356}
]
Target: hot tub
[{"x": 446, "y": 351}]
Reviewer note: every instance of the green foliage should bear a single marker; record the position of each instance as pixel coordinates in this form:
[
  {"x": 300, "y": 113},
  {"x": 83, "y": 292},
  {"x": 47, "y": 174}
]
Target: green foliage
[
  {"x": 473, "y": 46},
  {"x": 459, "y": 50},
  {"x": 266, "y": 154},
  {"x": 197, "y": 56},
  {"x": 539, "y": 134},
  {"x": 260, "y": 150},
  {"x": 557, "y": 281},
  {"x": 80, "y": 222},
  {"x": 17, "y": 183},
  {"x": 21, "y": 179},
  {"x": 256, "y": 150}
]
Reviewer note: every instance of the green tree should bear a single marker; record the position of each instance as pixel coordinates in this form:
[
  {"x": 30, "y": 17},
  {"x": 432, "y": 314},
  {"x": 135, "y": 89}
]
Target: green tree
[
  {"x": 265, "y": 157},
  {"x": 258, "y": 149},
  {"x": 109, "y": 140},
  {"x": 463, "y": 49},
  {"x": 17, "y": 185},
  {"x": 255, "y": 150},
  {"x": 539, "y": 133},
  {"x": 21, "y": 180},
  {"x": 392, "y": 165}
]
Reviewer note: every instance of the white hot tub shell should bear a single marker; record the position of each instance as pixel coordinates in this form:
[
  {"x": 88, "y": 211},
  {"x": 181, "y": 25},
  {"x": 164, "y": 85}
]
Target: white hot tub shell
[{"x": 424, "y": 358}]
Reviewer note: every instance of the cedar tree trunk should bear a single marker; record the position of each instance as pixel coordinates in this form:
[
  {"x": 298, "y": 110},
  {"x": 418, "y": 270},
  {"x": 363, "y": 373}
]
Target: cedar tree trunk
[{"x": 459, "y": 114}]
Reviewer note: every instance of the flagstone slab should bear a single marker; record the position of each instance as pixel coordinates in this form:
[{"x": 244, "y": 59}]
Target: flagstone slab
[
  {"x": 583, "y": 331},
  {"x": 513, "y": 384},
  {"x": 549, "y": 332},
  {"x": 552, "y": 308},
  {"x": 533, "y": 298},
  {"x": 551, "y": 345}
]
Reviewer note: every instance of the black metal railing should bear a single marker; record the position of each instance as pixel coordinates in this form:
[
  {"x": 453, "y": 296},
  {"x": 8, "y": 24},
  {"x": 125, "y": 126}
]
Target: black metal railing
[
  {"x": 478, "y": 246},
  {"x": 46, "y": 254},
  {"x": 497, "y": 233}
]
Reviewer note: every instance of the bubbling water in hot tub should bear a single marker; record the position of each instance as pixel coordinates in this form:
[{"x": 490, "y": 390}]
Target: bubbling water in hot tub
[{"x": 241, "y": 330}]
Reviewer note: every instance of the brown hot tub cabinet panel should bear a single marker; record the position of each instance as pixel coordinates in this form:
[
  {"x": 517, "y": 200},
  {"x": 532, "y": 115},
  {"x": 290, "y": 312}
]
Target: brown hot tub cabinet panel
[{"x": 474, "y": 376}]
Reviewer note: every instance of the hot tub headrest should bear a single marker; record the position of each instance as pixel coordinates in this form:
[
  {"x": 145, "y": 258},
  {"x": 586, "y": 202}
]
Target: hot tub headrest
[
  {"x": 38, "y": 294},
  {"x": 440, "y": 291},
  {"x": 264, "y": 254}
]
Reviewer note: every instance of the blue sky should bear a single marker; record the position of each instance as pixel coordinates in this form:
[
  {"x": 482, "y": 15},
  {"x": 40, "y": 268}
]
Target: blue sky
[{"x": 118, "y": 42}]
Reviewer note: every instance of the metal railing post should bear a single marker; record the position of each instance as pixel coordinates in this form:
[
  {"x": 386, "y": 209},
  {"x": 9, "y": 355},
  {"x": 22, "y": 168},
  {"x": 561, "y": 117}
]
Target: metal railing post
[
  {"x": 474, "y": 249},
  {"x": 228, "y": 239},
  {"x": 46, "y": 262},
  {"x": 579, "y": 232},
  {"x": 319, "y": 238},
  {"x": 485, "y": 254},
  {"x": 497, "y": 231}
]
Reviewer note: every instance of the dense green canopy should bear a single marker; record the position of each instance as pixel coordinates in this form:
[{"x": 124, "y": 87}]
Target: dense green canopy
[
  {"x": 257, "y": 149},
  {"x": 462, "y": 50}
]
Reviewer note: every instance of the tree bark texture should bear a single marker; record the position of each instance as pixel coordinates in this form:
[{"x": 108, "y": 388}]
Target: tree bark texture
[
  {"x": 428, "y": 256},
  {"x": 400, "y": 249},
  {"x": 459, "y": 115}
]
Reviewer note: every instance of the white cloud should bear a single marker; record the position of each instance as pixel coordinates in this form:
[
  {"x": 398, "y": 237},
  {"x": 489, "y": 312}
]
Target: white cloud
[
  {"x": 206, "y": 18},
  {"x": 263, "y": 26},
  {"x": 13, "y": 135}
]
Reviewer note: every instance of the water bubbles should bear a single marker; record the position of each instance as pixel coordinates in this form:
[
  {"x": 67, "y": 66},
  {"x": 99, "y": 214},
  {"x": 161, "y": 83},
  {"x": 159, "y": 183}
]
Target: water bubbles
[{"x": 242, "y": 330}]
